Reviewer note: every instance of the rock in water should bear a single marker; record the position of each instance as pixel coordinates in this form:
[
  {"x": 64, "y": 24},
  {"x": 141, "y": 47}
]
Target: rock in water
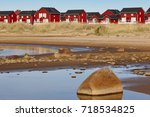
[
  {"x": 101, "y": 82},
  {"x": 64, "y": 51}
]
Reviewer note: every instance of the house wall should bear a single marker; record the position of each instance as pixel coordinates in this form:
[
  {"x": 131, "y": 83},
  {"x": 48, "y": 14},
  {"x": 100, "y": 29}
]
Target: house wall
[
  {"x": 81, "y": 18},
  {"x": 107, "y": 20},
  {"x": 26, "y": 18}
]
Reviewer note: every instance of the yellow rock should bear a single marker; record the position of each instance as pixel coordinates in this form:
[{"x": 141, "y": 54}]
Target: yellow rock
[{"x": 101, "y": 82}]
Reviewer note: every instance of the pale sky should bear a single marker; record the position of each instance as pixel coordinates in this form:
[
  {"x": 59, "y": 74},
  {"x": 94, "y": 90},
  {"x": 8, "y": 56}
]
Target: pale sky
[{"x": 63, "y": 5}]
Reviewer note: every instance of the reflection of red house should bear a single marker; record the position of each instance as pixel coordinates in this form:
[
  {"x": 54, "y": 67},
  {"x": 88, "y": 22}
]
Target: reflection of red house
[
  {"x": 147, "y": 16},
  {"x": 93, "y": 17},
  {"x": 110, "y": 16},
  {"x": 47, "y": 14},
  {"x": 8, "y": 17},
  {"x": 26, "y": 17},
  {"x": 76, "y": 16},
  {"x": 132, "y": 15}
]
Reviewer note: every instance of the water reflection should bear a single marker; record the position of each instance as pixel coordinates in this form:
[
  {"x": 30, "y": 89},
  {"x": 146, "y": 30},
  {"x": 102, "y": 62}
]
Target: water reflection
[
  {"x": 117, "y": 96},
  {"x": 57, "y": 84},
  {"x": 6, "y": 50}
]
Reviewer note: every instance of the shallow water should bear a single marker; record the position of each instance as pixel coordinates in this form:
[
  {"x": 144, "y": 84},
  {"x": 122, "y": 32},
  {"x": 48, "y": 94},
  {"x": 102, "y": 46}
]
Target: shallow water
[
  {"x": 20, "y": 49},
  {"x": 57, "y": 84}
]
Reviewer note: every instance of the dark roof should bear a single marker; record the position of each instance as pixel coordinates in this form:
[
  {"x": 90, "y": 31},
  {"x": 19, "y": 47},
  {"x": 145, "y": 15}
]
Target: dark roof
[
  {"x": 6, "y": 13},
  {"x": 24, "y": 13},
  {"x": 131, "y": 10},
  {"x": 148, "y": 11},
  {"x": 114, "y": 11},
  {"x": 73, "y": 12},
  {"x": 51, "y": 10},
  {"x": 90, "y": 14}
]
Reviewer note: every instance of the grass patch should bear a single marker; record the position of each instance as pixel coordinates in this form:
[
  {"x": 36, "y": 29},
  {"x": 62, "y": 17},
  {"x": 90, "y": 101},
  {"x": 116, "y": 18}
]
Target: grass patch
[{"x": 74, "y": 29}]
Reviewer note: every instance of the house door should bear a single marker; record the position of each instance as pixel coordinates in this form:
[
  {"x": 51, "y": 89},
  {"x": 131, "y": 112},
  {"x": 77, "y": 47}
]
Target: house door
[
  {"x": 45, "y": 20},
  {"x": 67, "y": 20},
  {"x": 123, "y": 19},
  {"x": 5, "y": 20},
  {"x": 107, "y": 20},
  {"x": 28, "y": 21},
  {"x": 94, "y": 20}
]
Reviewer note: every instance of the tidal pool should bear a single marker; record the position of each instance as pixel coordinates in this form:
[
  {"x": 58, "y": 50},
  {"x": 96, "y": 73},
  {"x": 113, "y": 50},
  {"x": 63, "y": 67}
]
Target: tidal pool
[
  {"x": 21, "y": 49},
  {"x": 58, "y": 84}
]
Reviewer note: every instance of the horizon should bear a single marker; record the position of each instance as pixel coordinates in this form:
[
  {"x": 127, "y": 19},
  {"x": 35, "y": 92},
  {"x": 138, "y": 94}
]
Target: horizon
[{"x": 63, "y": 6}]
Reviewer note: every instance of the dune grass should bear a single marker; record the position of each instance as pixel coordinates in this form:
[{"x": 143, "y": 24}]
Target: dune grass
[{"x": 74, "y": 29}]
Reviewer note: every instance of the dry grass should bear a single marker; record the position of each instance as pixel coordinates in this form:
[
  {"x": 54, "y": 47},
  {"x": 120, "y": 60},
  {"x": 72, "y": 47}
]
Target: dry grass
[{"x": 74, "y": 29}]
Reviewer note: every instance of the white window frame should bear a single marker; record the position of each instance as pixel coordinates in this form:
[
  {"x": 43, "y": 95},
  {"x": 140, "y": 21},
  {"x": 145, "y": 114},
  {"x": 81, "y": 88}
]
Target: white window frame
[
  {"x": 123, "y": 19},
  {"x": 40, "y": 15}
]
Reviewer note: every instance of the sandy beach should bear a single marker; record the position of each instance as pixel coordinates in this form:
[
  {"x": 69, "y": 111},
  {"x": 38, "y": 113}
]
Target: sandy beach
[{"x": 116, "y": 51}]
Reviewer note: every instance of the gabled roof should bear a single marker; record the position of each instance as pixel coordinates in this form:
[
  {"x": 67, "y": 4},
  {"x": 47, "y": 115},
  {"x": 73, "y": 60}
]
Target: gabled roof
[
  {"x": 114, "y": 11},
  {"x": 131, "y": 10},
  {"x": 26, "y": 13},
  {"x": 51, "y": 10},
  {"x": 74, "y": 12},
  {"x": 6, "y": 13},
  {"x": 148, "y": 11}
]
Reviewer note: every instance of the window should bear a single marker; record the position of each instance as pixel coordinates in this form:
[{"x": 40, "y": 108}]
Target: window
[
  {"x": 131, "y": 14},
  {"x": 40, "y": 15},
  {"x": 123, "y": 19},
  {"x": 125, "y": 14},
  {"x": 140, "y": 19},
  {"x": 44, "y": 15}
]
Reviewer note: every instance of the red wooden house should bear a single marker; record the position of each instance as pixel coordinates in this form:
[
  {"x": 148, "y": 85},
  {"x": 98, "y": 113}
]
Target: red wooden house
[
  {"x": 8, "y": 17},
  {"x": 79, "y": 16},
  {"x": 110, "y": 16},
  {"x": 147, "y": 16},
  {"x": 47, "y": 14},
  {"x": 93, "y": 17},
  {"x": 26, "y": 17},
  {"x": 132, "y": 15}
]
